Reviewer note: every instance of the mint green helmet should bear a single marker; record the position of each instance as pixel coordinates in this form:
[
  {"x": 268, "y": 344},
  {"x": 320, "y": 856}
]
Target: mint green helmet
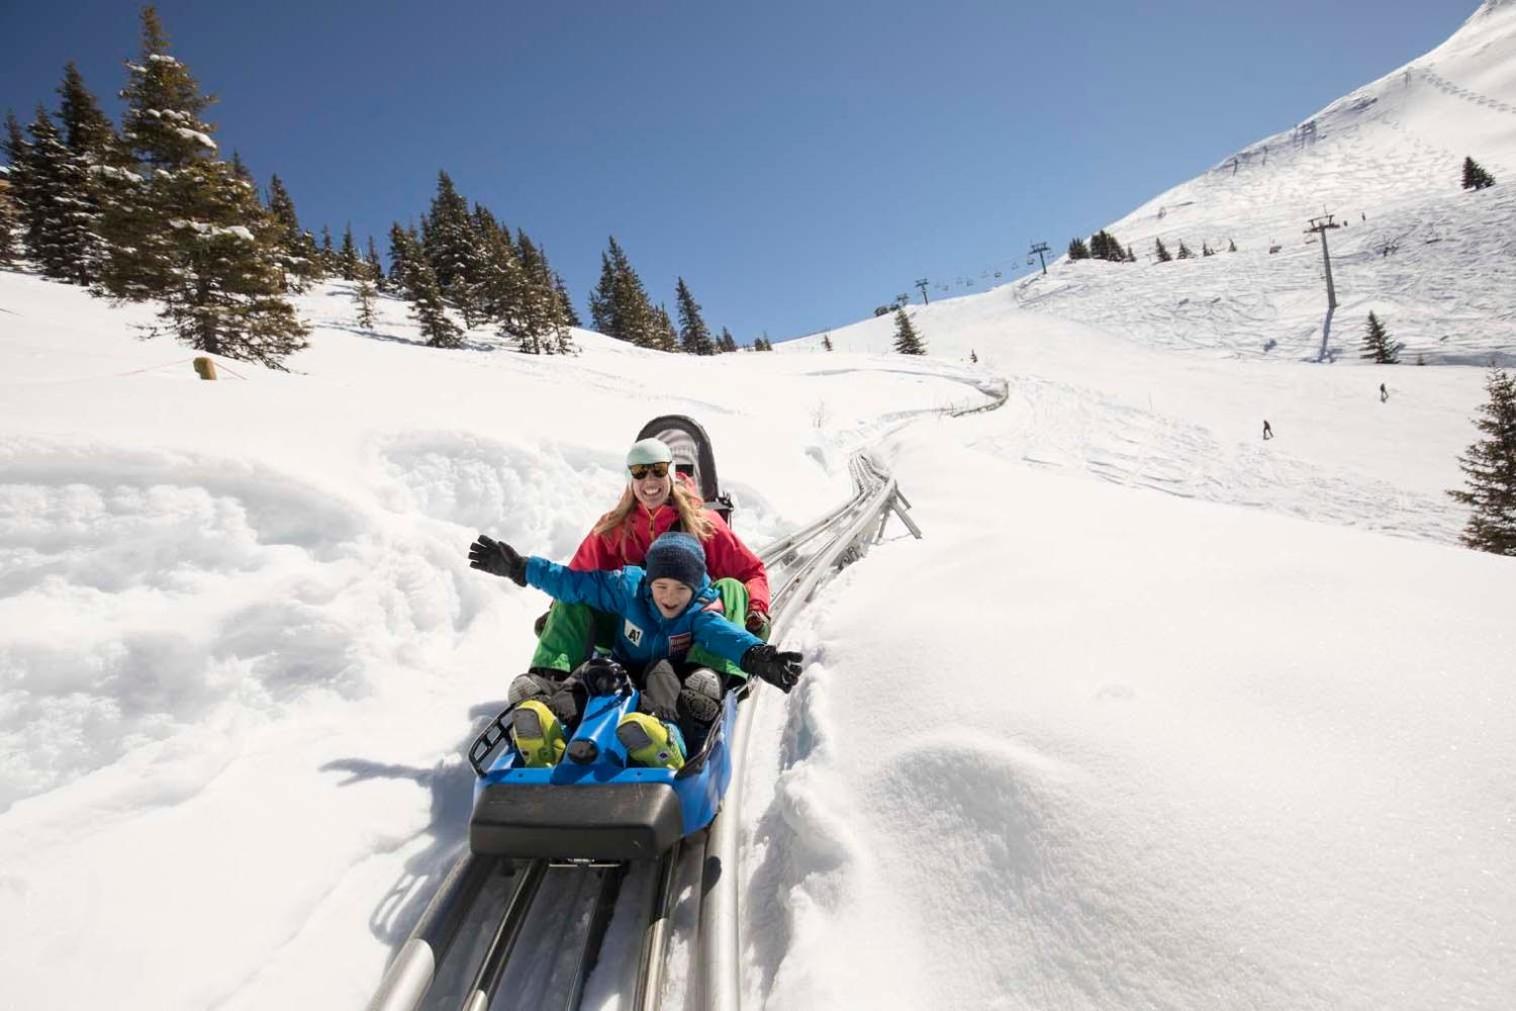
[{"x": 649, "y": 451}]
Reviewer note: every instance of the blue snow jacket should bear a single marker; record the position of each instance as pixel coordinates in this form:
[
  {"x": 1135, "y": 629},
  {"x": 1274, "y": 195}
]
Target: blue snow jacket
[{"x": 645, "y": 635}]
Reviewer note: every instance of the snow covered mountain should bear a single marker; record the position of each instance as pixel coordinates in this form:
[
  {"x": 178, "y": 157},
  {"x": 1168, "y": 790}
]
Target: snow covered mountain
[{"x": 1437, "y": 263}]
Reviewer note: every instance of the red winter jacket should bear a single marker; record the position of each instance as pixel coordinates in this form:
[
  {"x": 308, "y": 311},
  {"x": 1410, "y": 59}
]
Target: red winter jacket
[{"x": 726, "y": 557}]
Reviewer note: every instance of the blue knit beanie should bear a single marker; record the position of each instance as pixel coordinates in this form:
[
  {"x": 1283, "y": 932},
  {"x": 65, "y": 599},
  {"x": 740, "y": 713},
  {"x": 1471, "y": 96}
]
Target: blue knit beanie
[{"x": 678, "y": 556}]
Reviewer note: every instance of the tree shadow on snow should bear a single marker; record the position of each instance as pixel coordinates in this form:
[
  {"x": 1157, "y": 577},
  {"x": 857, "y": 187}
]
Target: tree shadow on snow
[{"x": 393, "y": 339}]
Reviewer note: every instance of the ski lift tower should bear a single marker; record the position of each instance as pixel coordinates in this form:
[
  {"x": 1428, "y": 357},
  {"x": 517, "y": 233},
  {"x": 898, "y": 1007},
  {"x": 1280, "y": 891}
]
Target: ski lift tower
[
  {"x": 1039, "y": 248},
  {"x": 1320, "y": 226}
]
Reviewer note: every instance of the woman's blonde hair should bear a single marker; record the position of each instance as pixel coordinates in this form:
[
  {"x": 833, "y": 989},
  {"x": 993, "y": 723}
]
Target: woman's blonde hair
[{"x": 689, "y": 505}]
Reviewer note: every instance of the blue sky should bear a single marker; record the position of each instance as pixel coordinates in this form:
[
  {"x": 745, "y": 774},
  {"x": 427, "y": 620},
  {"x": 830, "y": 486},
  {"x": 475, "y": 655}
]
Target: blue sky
[{"x": 798, "y": 163}]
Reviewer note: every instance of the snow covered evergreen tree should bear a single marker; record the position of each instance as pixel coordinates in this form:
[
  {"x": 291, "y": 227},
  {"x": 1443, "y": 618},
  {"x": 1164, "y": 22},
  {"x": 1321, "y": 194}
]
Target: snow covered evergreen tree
[
  {"x": 665, "y": 337},
  {"x": 1161, "y": 251},
  {"x": 94, "y": 152},
  {"x": 1078, "y": 250},
  {"x": 51, "y": 239},
  {"x": 425, "y": 295},
  {"x": 184, "y": 228},
  {"x": 402, "y": 241},
  {"x": 1474, "y": 176},
  {"x": 364, "y": 295},
  {"x": 452, "y": 247},
  {"x": 907, "y": 341},
  {"x": 7, "y": 225},
  {"x": 726, "y": 342},
  {"x": 1489, "y": 468},
  {"x": 619, "y": 305},
  {"x": 328, "y": 254},
  {"x": 1377, "y": 344},
  {"x": 570, "y": 316},
  {"x": 297, "y": 250},
  {"x": 347, "y": 257},
  {"x": 1103, "y": 246},
  {"x": 373, "y": 266},
  {"x": 1184, "y": 251},
  {"x": 694, "y": 335},
  {"x": 541, "y": 329},
  {"x": 826, "y": 341}
]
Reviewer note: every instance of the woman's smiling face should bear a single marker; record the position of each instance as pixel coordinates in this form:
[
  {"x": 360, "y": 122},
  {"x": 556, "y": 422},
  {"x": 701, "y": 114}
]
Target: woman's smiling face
[{"x": 652, "y": 491}]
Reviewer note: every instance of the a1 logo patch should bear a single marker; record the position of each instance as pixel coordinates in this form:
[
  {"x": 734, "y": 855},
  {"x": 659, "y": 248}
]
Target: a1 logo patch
[{"x": 633, "y": 634}]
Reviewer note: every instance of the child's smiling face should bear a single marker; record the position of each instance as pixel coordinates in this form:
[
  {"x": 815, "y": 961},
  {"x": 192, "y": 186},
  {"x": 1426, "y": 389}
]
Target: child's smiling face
[{"x": 671, "y": 596}]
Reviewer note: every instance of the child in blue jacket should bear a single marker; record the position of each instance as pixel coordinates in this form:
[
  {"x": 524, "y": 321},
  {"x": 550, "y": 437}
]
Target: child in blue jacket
[{"x": 664, "y": 609}]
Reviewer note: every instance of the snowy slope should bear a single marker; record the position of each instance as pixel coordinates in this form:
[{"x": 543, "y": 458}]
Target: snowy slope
[{"x": 1387, "y": 161}]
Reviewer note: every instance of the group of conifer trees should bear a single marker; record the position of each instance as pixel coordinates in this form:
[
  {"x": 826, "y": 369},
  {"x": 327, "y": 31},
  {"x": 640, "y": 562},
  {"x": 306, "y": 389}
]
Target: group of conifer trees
[
  {"x": 1104, "y": 246},
  {"x": 468, "y": 261},
  {"x": 154, "y": 211},
  {"x": 620, "y": 308}
]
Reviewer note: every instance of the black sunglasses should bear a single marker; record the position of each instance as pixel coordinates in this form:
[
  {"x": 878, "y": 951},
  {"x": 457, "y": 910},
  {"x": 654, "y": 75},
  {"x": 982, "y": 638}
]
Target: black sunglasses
[{"x": 642, "y": 470}]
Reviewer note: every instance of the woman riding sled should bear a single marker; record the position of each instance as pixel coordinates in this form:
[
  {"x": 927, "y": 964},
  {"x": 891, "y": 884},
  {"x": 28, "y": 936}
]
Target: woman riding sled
[
  {"x": 664, "y": 614},
  {"x": 655, "y": 500}
]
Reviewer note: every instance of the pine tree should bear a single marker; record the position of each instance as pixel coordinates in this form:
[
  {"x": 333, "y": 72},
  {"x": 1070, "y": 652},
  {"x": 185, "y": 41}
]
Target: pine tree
[
  {"x": 570, "y": 316},
  {"x": 94, "y": 153},
  {"x": 1489, "y": 468},
  {"x": 1131, "y": 256},
  {"x": 1377, "y": 344},
  {"x": 52, "y": 240},
  {"x": 726, "y": 342},
  {"x": 184, "y": 228},
  {"x": 1474, "y": 176},
  {"x": 328, "y": 256},
  {"x": 619, "y": 304},
  {"x": 453, "y": 245},
  {"x": 347, "y": 259},
  {"x": 425, "y": 295},
  {"x": 694, "y": 335},
  {"x": 7, "y": 229},
  {"x": 1162, "y": 251},
  {"x": 373, "y": 266},
  {"x": 1103, "y": 246},
  {"x": 402, "y": 242},
  {"x": 1231, "y": 246},
  {"x": 907, "y": 341},
  {"x": 364, "y": 294},
  {"x": 1078, "y": 250},
  {"x": 541, "y": 329},
  {"x": 826, "y": 341},
  {"x": 1205, "y": 249},
  {"x": 1184, "y": 251},
  {"x": 973, "y": 356},
  {"x": 296, "y": 248},
  {"x": 666, "y": 337}
]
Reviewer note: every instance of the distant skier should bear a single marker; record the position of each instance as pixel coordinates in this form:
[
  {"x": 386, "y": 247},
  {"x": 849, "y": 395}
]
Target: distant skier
[
  {"x": 1384, "y": 394},
  {"x": 1268, "y": 432}
]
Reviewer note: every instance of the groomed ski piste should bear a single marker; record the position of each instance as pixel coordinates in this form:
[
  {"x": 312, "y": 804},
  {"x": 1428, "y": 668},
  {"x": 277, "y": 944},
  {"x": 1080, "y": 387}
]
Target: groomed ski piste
[{"x": 1157, "y": 714}]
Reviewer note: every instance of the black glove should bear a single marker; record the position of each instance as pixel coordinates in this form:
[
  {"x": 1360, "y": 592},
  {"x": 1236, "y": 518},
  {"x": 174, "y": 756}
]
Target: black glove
[
  {"x": 759, "y": 624},
  {"x": 781, "y": 670},
  {"x": 603, "y": 676},
  {"x": 498, "y": 559}
]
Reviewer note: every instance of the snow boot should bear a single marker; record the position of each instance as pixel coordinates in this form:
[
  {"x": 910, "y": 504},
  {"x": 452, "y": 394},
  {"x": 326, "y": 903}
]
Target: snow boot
[
  {"x": 651, "y": 742},
  {"x": 537, "y": 734}
]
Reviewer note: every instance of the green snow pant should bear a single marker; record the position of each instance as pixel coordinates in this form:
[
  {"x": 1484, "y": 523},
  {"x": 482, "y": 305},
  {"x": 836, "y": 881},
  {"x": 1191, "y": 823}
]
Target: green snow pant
[{"x": 574, "y": 631}]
